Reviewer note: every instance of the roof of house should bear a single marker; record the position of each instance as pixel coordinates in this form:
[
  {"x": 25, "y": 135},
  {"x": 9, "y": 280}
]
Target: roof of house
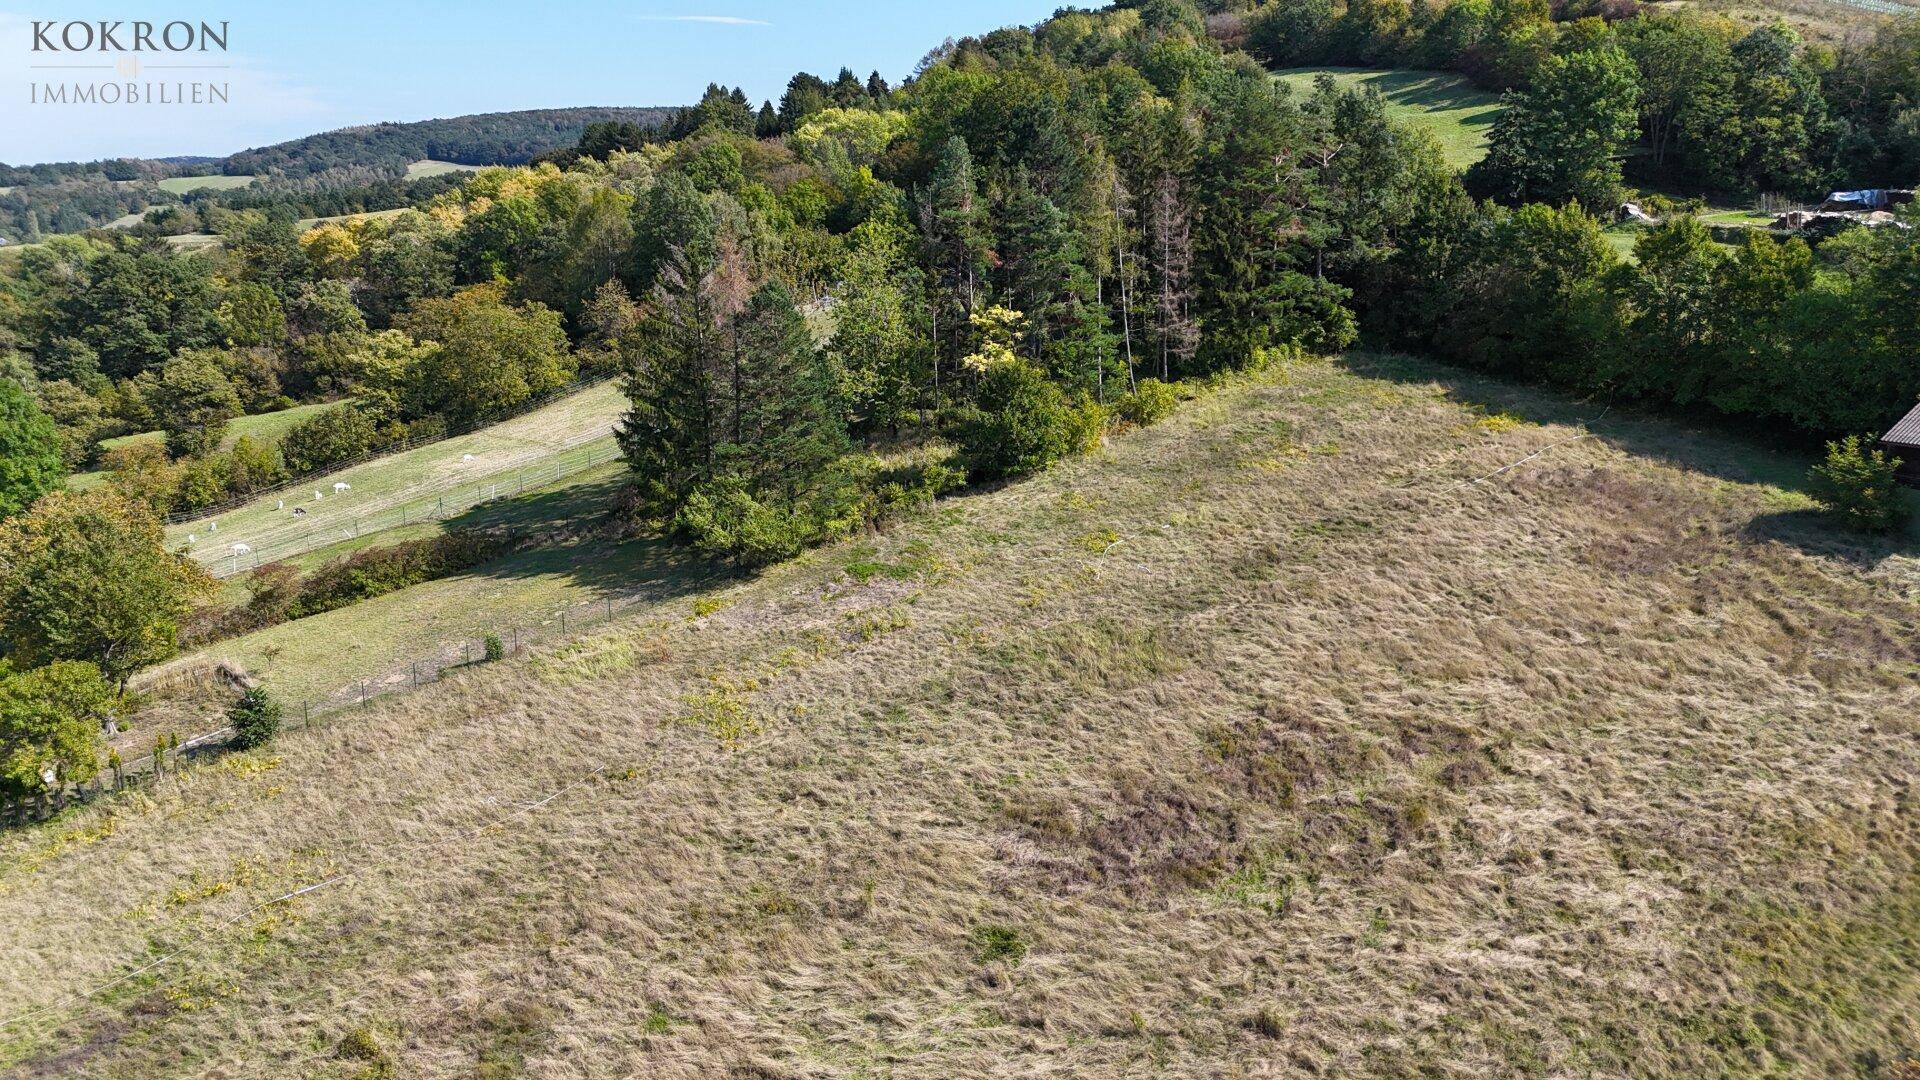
[{"x": 1907, "y": 431}]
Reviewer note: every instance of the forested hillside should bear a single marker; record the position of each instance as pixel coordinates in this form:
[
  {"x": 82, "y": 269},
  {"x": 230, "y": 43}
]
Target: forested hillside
[
  {"x": 348, "y": 170},
  {"x": 506, "y": 138}
]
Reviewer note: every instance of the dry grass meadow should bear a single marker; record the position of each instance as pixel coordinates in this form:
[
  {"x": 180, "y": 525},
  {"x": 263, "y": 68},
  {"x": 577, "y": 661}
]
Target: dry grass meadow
[{"x": 1261, "y": 742}]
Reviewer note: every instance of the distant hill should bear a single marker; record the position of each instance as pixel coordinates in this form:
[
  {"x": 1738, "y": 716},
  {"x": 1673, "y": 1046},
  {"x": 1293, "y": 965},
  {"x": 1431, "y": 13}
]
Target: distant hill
[
  {"x": 71, "y": 196},
  {"x": 507, "y": 138}
]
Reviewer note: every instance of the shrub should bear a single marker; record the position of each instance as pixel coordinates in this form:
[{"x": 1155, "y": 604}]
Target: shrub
[
  {"x": 141, "y": 472},
  {"x": 1149, "y": 403},
  {"x": 496, "y": 649},
  {"x": 274, "y": 588},
  {"x": 992, "y": 942},
  {"x": 208, "y": 481},
  {"x": 1856, "y": 484},
  {"x": 252, "y": 465},
  {"x": 724, "y": 519},
  {"x": 203, "y": 482},
  {"x": 327, "y": 438},
  {"x": 364, "y": 575},
  {"x": 1024, "y": 423},
  {"x": 255, "y": 719}
]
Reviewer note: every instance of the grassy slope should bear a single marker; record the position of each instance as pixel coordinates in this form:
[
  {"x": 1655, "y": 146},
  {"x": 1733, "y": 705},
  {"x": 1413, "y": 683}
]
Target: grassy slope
[
  {"x": 414, "y": 481},
  {"x": 575, "y": 565},
  {"x": 428, "y": 167},
  {"x": 180, "y": 185},
  {"x": 1828, "y": 22},
  {"x": 1275, "y": 743},
  {"x": 1455, "y": 112}
]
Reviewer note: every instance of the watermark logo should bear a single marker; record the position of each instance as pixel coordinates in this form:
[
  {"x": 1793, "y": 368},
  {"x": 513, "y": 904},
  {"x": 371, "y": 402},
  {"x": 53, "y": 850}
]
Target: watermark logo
[{"x": 118, "y": 49}]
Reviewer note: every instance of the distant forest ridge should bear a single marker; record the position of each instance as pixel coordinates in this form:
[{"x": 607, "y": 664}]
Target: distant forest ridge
[
  {"x": 502, "y": 138},
  {"x": 348, "y": 170},
  {"x": 508, "y": 138}
]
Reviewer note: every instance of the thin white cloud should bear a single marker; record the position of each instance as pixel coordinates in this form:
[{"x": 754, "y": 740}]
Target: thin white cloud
[{"x": 722, "y": 20}]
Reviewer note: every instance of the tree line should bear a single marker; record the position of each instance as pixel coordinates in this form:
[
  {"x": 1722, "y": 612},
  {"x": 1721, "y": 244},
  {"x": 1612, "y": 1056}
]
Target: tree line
[{"x": 1713, "y": 105}]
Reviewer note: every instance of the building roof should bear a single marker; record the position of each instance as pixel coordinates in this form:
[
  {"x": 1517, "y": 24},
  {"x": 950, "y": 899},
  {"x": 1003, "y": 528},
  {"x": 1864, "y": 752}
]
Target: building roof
[{"x": 1907, "y": 431}]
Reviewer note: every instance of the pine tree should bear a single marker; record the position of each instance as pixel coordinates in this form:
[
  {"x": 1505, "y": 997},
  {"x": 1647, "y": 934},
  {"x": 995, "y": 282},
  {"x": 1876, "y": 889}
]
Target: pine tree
[
  {"x": 781, "y": 421},
  {"x": 1048, "y": 279},
  {"x": 951, "y": 220},
  {"x": 668, "y": 435},
  {"x": 957, "y": 221},
  {"x": 847, "y": 90}
]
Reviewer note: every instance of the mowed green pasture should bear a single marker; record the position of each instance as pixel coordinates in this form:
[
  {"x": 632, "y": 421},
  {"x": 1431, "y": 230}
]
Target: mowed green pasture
[
  {"x": 180, "y": 185},
  {"x": 421, "y": 169},
  {"x": 1447, "y": 106},
  {"x": 414, "y": 483},
  {"x": 576, "y": 567}
]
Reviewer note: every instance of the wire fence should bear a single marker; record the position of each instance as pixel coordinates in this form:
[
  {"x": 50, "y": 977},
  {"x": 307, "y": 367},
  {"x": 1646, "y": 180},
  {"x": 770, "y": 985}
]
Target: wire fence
[
  {"x": 285, "y": 541},
  {"x": 180, "y": 517},
  {"x": 456, "y": 654}
]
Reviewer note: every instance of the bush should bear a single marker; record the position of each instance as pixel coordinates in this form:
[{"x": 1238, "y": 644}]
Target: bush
[
  {"x": 328, "y": 438},
  {"x": 208, "y": 481},
  {"x": 1024, "y": 423},
  {"x": 1856, "y": 484},
  {"x": 364, "y": 575},
  {"x": 1149, "y": 403},
  {"x": 496, "y": 649},
  {"x": 255, "y": 719},
  {"x": 992, "y": 943},
  {"x": 723, "y": 519},
  {"x": 274, "y": 588}
]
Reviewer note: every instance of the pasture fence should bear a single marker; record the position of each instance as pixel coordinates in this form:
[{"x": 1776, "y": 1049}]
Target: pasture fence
[
  {"x": 180, "y": 517},
  {"x": 571, "y": 458},
  {"x": 168, "y": 758}
]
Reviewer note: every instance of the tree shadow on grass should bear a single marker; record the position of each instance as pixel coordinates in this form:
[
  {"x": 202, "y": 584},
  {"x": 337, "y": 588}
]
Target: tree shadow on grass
[
  {"x": 1730, "y": 451},
  {"x": 568, "y": 533},
  {"x": 1430, "y": 90}
]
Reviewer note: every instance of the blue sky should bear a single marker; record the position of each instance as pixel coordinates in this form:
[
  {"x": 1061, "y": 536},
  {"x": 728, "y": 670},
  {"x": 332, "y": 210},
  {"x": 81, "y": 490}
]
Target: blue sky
[{"x": 298, "y": 68}]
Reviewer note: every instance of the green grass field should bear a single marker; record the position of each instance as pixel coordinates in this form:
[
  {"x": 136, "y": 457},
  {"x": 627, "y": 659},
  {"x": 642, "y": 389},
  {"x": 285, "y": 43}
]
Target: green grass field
[
  {"x": 437, "y": 478},
  {"x": 575, "y": 565},
  {"x": 180, "y": 185},
  {"x": 1447, "y": 106},
  {"x": 421, "y": 169}
]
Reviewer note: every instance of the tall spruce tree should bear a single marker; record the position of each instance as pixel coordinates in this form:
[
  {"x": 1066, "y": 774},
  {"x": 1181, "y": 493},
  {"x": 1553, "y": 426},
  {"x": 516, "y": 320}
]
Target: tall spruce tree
[
  {"x": 668, "y": 435},
  {"x": 780, "y": 422}
]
